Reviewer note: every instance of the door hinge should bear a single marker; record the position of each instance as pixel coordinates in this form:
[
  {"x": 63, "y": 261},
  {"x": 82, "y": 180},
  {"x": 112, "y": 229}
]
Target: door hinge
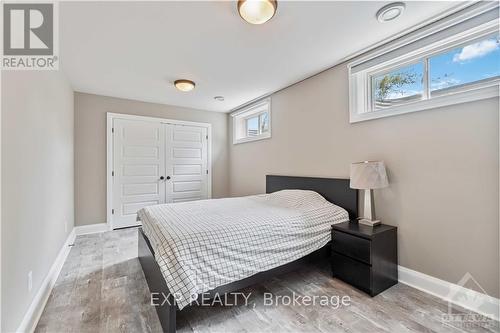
[
  {"x": 207, "y": 172},
  {"x": 112, "y": 211},
  {"x": 112, "y": 130},
  {"x": 207, "y": 137},
  {"x": 112, "y": 173}
]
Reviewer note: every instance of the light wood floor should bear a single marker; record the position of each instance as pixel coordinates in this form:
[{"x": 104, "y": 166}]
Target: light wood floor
[{"x": 101, "y": 288}]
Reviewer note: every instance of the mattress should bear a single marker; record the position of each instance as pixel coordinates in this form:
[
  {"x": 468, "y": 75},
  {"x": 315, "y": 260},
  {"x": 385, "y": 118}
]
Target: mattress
[{"x": 205, "y": 244}]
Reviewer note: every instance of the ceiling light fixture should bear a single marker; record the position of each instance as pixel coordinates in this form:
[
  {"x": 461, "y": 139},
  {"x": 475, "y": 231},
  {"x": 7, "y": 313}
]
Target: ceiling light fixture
[
  {"x": 390, "y": 12},
  {"x": 184, "y": 85},
  {"x": 257, "y": 11},
  {"x": 219, "y": 98}
]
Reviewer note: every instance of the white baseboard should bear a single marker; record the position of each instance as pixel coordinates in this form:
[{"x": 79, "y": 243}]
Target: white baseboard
[
  {"x": 91, "y": 229},
  {"x": 451, "y": 292},
  {"x": 30, "y": 319}
]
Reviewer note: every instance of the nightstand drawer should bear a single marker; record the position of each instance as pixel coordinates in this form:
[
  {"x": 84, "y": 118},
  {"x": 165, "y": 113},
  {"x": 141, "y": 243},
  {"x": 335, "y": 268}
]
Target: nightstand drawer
[
  {"x": 351, "y": 271},
  {"x": 352, "y": 246}
]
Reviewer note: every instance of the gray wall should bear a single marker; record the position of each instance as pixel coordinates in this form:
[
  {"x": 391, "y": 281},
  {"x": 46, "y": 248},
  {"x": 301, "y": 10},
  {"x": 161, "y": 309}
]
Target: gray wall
[
  {"x": 90, "y": 148},
  {"x": 37, "y": 182},
  {"x": 443, "y": 168}
]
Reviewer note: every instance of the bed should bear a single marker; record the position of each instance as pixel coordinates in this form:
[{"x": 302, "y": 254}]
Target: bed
[{"x": 210, "y": 247}]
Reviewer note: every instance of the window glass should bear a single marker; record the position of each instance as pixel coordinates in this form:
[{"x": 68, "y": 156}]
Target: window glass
[
  {"x": 253, "y": 126},
  {"x": 471, "y": 63},
  {"x": 398, "y": 87},
  {"x": 264, "y": 122},
  {"x": 253, "y": 122}
]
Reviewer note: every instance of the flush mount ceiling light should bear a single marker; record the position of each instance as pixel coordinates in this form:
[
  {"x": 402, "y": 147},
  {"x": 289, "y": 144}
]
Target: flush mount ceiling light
[
  {"x": 219, "y": 98},
  {"x": 184, "y": 85},
  {"x": 257, "y": 11},
  {"x": 390, "y": 12}
]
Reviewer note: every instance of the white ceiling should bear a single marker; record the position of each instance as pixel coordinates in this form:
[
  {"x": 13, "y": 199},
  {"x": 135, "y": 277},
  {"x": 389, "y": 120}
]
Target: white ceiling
[{"x": 136, "y": 50}]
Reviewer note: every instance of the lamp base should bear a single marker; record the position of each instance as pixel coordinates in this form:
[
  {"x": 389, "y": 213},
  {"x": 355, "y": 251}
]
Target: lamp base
[{"x": 369, "y": 222}]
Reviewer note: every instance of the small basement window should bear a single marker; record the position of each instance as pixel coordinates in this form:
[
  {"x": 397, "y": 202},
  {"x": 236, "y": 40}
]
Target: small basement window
[
  {"x": 253, "y": 122},
  {"x": 458, "y": 64}
]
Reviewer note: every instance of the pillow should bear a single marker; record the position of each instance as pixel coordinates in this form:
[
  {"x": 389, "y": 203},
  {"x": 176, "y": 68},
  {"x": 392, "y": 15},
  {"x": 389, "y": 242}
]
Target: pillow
[{"x": 305, "y": 199}]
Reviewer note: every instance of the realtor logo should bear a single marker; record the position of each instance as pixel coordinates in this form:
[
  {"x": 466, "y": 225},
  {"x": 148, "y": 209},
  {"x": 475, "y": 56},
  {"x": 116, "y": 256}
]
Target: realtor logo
[
  {"x": 29, "y": 36},
  {"x": 28, "y": 29}
]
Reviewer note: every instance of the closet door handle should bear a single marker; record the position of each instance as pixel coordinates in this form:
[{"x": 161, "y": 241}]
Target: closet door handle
[
  {"x": 161, "y": 178},
  {"x": 168, "y": 177}
]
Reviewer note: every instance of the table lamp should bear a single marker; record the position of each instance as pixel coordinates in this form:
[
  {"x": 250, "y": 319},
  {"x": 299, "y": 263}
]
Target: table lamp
[{"x": 367, "y": 176}]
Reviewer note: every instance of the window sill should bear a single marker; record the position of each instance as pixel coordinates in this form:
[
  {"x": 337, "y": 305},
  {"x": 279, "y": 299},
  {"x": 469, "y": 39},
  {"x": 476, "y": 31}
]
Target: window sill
[
  {"x": 252, "y": 138},
  {"x": 487, "y": 91}
]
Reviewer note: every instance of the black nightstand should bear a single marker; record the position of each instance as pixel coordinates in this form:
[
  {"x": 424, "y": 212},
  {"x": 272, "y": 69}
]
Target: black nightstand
[{"x": 365, "y": 257}]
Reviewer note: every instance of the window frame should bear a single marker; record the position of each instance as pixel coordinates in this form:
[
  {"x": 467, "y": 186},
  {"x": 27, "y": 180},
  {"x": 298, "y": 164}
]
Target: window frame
[
  {"x": 361, "y": 93},
  {"x": 240, "y": 117}
]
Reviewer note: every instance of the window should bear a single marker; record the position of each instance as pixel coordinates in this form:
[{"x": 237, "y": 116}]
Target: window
[
  {"x": 450, "y": 66},
  {"x": 473, "y": 63},
  {"x": 257, "y": 125},
  {"x": 253, "y": 122},
  {"x": 397, "y": 87}
]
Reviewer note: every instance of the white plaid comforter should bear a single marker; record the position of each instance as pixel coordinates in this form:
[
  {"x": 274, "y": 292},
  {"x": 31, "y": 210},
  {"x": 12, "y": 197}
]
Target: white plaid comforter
[{"x": 201, "y": 245}]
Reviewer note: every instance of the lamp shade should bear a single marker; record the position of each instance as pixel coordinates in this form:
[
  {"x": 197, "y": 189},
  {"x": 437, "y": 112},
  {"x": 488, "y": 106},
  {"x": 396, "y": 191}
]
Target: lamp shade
[{"x": 368, "y": 175}]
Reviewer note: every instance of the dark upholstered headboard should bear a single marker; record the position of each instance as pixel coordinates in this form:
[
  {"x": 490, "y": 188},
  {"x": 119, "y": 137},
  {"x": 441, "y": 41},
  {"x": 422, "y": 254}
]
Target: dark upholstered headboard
[{"x": 337, "y": 191}]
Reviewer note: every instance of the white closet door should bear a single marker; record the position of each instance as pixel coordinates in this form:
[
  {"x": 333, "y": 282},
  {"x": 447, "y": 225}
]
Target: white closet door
[
  {"x": 186, "y": 163},
  {"x": 138, "y": 164}
]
